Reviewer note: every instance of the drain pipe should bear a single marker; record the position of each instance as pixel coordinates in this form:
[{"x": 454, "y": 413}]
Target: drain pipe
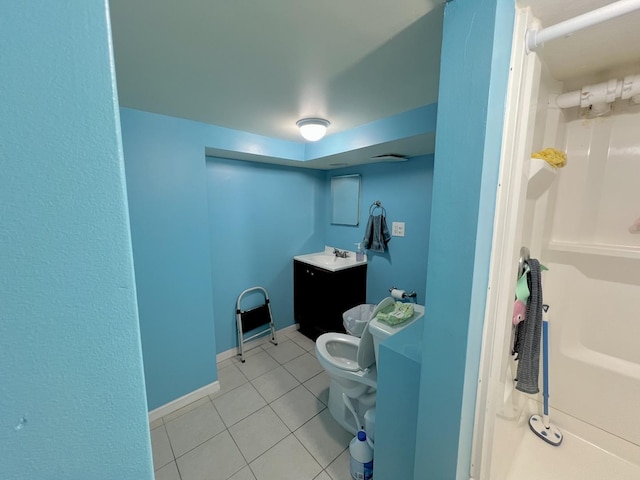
[
  {"x": 600, "y": 94},
  {"x": 536, "y": 38}
]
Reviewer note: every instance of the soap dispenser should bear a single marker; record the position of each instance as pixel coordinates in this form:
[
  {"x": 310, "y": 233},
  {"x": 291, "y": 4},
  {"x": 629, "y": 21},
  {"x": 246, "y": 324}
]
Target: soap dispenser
[{"x": 359, "y": 253}]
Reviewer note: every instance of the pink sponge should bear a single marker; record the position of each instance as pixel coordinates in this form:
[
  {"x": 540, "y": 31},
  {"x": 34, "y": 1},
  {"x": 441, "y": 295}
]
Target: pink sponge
[{"x": 519, "y": 312}]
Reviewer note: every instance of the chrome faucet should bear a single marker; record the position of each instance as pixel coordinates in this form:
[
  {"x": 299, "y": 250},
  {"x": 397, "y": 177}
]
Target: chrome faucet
[{"x": 340, "y": 254}]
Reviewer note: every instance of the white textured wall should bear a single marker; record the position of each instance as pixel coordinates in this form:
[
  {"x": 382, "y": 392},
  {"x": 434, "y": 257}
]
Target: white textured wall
[{"x": 594, "y": 278}]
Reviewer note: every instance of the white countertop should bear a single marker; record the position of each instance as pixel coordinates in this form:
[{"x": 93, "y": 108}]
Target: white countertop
[{"x": 328, "y": 261}]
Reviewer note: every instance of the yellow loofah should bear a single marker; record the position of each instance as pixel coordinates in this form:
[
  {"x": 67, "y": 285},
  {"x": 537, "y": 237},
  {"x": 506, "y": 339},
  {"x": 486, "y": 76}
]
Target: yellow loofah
[{"x": 553, "y": 157}]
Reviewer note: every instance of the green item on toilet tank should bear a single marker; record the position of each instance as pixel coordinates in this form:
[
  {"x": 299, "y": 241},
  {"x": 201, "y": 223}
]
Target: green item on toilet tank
[{"x": 396, "y": 314}]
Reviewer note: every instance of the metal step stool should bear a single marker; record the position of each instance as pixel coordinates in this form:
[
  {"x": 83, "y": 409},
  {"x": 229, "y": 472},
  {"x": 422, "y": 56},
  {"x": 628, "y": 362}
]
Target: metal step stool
[{"x": 253, "y": 318}]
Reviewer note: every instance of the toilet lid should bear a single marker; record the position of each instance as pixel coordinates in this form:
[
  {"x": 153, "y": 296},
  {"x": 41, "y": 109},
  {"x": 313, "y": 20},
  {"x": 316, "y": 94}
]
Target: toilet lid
[{"x": 366, "y": 352}]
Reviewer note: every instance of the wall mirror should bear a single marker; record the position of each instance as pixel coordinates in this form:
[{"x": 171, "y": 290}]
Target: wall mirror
[{"x": 345, "y": 200}]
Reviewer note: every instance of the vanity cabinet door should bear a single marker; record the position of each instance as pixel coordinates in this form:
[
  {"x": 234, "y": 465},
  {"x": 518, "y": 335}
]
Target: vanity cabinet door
[
  {"x": 321, "y": 296},
  {"x": 311, "y": 291}
]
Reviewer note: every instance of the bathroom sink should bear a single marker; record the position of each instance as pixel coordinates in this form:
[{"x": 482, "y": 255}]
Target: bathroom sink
[
  {"x": 327, "y": 260},
  {"x": 330, "y": 260}
]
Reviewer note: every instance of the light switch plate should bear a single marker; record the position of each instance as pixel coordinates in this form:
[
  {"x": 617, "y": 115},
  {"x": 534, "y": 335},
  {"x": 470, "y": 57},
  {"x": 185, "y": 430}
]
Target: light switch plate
[{"x": 397, "y": 229}]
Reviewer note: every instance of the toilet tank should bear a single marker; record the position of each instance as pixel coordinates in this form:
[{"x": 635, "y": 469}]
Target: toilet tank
[{"x": 380, "y": 331}]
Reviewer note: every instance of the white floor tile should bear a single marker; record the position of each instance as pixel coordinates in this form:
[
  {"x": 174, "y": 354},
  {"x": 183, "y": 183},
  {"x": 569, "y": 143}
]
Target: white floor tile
[
  {"x": 216, "y": 459},
  {"x": 236, "y": 360},
  {"x": 323, "y": 476},
  {"x": 193, "y": 428},
  {"x": 227, "y": 362},
  {"x": 324, "y": 438},
  {"x": 269, "y": 345},
  {"x": 238, "y": 403},
  {"x": 168, "y": 472},
  {"x": 339, "y": 468},
  {"x": 186, "y": 409},
  {"x": 305, "y": 342},
  {"x": 297, "y": 407},
  {"x": 319, "y": 386},
  {"x": 156, "y": 423},
  {"x": 275, "y": 383},
  {"x": 288, "y": 460},
  {"x": 257, "y": 365},
  {"x": 244, "y": 474},
  {"x": 258, "y": 433},
  {"x": 250, "y": 349},
  {"x": 304, "y": 367},
  {"x": 285, "y": 351},
  {"x": 162, "y": 453},
  {"x": 230, "y": 377}
]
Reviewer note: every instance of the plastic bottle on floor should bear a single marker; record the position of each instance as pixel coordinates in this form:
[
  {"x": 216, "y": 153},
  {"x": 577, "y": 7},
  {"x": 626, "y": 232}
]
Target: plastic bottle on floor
[{"x": 361, "y": 457}]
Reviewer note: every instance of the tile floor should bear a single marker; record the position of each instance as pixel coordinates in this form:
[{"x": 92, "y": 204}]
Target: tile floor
[{"x": 269, "y": 421}]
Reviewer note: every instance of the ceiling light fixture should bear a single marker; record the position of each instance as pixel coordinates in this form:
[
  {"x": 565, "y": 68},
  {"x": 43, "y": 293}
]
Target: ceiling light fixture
[{"x": 312, "y": 129}]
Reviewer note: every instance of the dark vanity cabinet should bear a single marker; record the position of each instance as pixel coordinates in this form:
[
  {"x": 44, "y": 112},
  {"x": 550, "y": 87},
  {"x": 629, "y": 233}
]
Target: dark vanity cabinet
[{"x": 321, "y": 297}]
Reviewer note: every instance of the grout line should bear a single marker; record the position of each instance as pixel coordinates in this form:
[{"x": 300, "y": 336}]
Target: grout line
[
  {"x": 220, "y": 394},
  {"x": 251, "y": 470},
  {"x": 175, "y": 459},
  {"x": 281, "y": 419},
  {"x": 238, "y": 421},
  {"x": 246, "y": 462},
  {"x": 173, "y": 453},
  {"x": 289, "y": 360},
  {"x": 282, "y": 395},
  {"x": 305, "y": 447},
  {"x": 200, "y": 444},
  {"x": 268, "y": 404},
  {"x": 314, "y": 395},
  {"x": 178, "y": 470},
  {"x": 282, "y": 440}
]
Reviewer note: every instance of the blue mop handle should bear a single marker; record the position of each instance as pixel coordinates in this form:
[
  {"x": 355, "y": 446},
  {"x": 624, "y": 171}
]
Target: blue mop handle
[{"x": 545, "y": 358}]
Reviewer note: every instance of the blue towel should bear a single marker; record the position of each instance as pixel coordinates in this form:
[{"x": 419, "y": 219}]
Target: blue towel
[
  {"x": 376, "y": 234},
  {"x": 528, "y": 333}
]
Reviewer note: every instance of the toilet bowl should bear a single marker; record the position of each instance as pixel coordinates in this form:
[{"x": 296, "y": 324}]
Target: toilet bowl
[
  {"x": 338, "y": 355},
  {"x": 351, "y": 364}
]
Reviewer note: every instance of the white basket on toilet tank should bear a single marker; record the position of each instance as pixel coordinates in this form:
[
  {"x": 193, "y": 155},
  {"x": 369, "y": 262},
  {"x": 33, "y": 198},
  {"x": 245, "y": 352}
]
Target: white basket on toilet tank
[{"x": 351, "y": 363}]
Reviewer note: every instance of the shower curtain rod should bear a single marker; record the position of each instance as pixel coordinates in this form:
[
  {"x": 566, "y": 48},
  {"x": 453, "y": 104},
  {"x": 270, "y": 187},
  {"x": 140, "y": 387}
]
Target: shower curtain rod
[{"x": 536, "y": 38}]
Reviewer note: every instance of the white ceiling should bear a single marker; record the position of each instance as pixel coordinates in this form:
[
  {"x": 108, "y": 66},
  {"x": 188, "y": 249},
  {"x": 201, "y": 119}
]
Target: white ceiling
[
  {"x": 259, "y": 66},
  {"x": 593, "y": 52}
]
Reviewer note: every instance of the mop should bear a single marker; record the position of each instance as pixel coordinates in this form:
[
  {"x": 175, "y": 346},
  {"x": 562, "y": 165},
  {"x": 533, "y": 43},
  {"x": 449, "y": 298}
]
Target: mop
[{"x": 540, "y": 425}]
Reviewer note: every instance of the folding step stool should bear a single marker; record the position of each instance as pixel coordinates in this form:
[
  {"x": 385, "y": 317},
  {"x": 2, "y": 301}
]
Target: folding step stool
[{"x": 253, "y": 318}]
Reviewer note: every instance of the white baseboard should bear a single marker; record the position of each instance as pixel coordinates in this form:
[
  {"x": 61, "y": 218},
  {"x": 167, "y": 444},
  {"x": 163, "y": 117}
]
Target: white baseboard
[
  {"x": 215, "y": 386},
  {"x": 255, "y": 343},
  {"x": 183, "y": 401}
]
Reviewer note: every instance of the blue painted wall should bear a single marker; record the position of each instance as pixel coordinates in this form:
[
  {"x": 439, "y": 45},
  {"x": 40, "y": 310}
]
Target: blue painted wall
[
  {"x": 473, "y": 77},
  {"x": 411, "y": 123},
  {"x": 397, "y": 402},
  {"x": 166, "y": 183},
  {"x": 404, "y": 189},
  {"x": 72, "y": 401},
  {"x": 205, "y": 229},
  {"x": 260, "y": 217}
]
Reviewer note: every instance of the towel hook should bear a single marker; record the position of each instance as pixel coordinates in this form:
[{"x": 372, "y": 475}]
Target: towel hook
[
  {"x": 377, "y": 204},
  {"x": 524, "y": 259}
]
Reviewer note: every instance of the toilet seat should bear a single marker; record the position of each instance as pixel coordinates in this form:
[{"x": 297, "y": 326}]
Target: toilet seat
[
  {"x": 339, "y": 350},
  {"x": 349, "y": 357},
  {"x": 342, "y": 366}
]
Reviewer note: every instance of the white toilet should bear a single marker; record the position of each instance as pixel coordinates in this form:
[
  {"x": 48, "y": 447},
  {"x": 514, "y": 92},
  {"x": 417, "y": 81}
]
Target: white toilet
[{"x": 351, "y": 363}]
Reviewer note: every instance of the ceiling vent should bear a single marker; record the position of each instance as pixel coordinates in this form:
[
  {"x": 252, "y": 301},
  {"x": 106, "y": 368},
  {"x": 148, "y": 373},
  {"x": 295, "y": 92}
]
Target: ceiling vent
[{"x": 389, "y": 157}]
